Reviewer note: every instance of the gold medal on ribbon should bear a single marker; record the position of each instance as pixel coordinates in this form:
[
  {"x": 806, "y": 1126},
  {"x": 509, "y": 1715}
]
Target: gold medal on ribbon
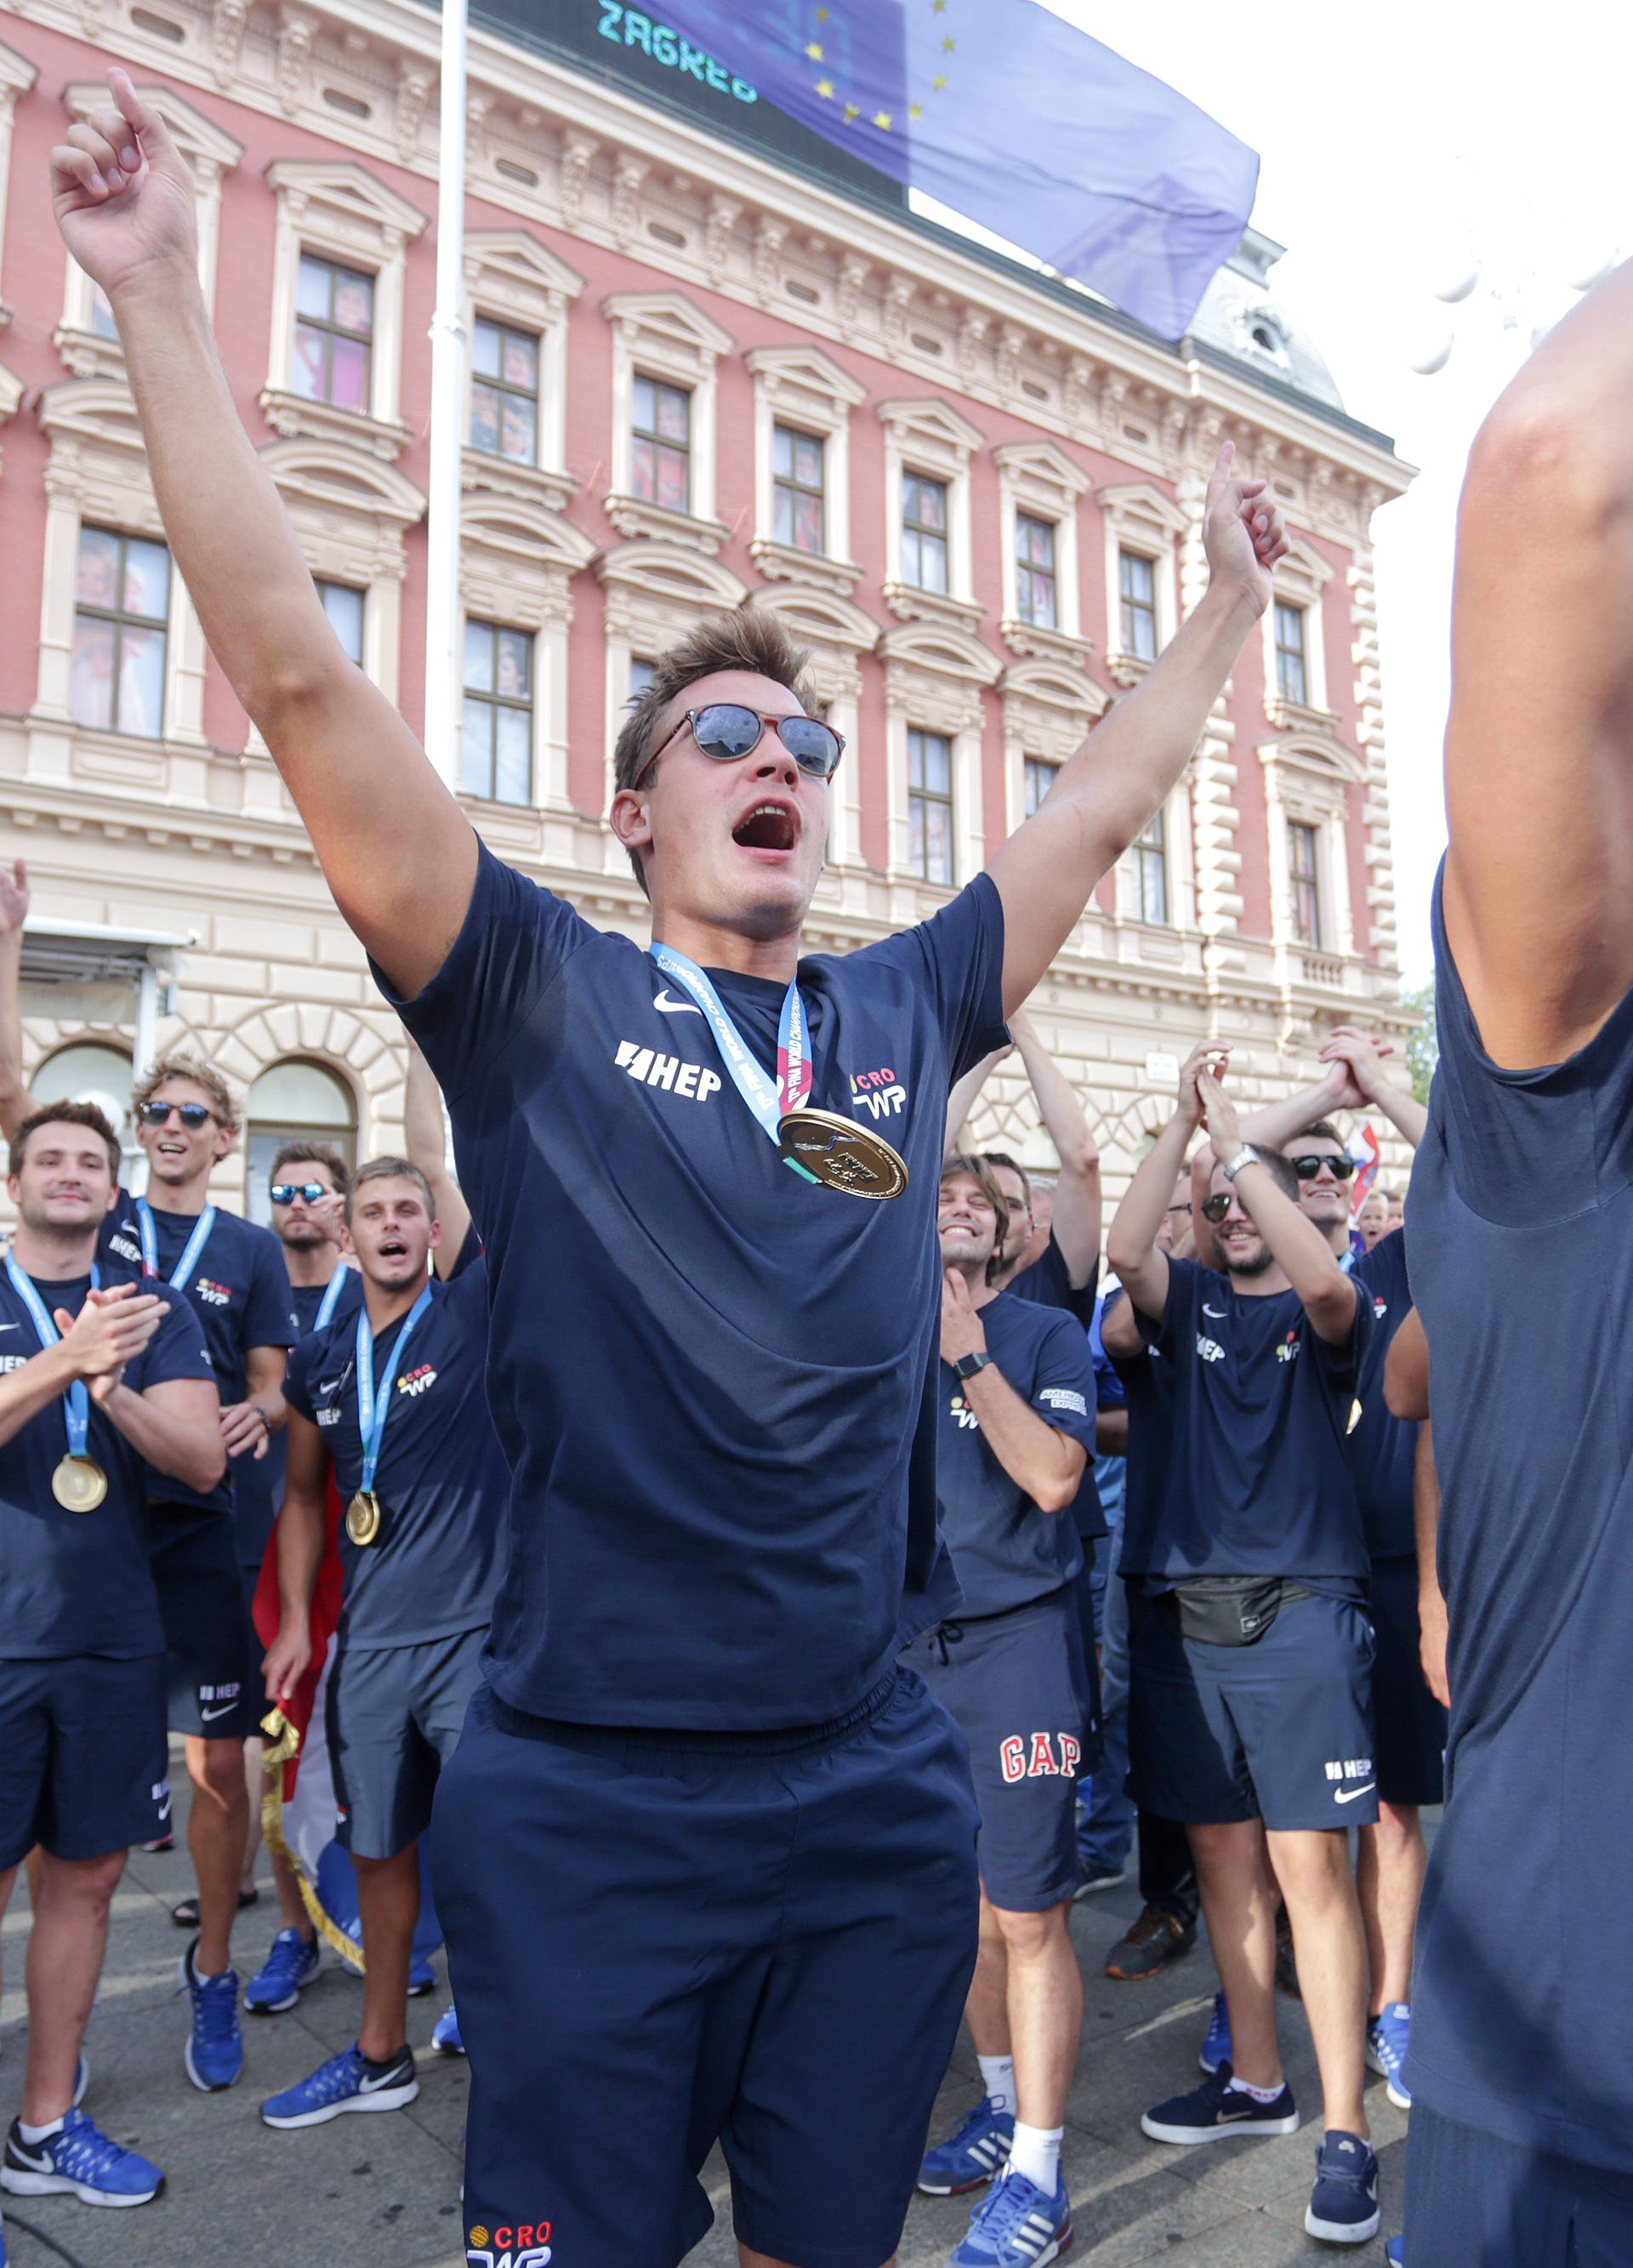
[
  {"x": 841, "y": 1155},
  {"x": 363, "y": 1517},
  {"x": 79, "y": 1483}
]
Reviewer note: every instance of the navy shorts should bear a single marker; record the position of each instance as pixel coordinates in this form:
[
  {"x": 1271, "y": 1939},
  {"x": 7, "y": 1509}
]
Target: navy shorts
[
  {"x": 660, "y": 1940},
  {"x": 1474, "y": 2200},
  {"x": 209, "y": 1647},
  {"x": 395, "y": 1714},
  {"x": 1280, "y": 1730},
  {"x": 1014, "y": 1685},
  {"x": 81, "y": 1754},
  {"x": 1409, "y": 1723}
]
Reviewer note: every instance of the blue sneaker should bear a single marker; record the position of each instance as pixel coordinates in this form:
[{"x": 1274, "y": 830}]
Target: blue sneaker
[
  {"x": 1216, "y": 2049},
  {"x": 215, "y": 2051},
  {"x": 971, "y": 2155},
  {"x": 446, "y": 2039},
  {"x": 347, "y": 2081},
  {"x": 292, "y": 1965},
  {"x": 1344, "y": 2204},
  {"x": 1394, "y": 2253},
  {"x": 1016, "y": 2225},
  {"x": 1387, "y": 2038},
  {"x": 1216, "y": 2109},
  {"x": 79, "y": 2159},
  {"x": 421, "y": 1977}
]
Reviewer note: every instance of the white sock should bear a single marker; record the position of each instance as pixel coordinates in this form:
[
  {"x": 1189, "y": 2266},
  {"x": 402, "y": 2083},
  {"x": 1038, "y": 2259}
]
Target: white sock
[
  {"x": 1035, "y": 2152},
  {"x": 998, "y": 2076},
  {"x": 1258, "y": 2094},
  {"x": 35, "y": 2135}
]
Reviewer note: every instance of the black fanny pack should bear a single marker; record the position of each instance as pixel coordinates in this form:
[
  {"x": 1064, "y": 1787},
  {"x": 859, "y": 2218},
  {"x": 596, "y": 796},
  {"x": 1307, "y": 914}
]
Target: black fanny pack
[{"x": 1233, "y": 1610}]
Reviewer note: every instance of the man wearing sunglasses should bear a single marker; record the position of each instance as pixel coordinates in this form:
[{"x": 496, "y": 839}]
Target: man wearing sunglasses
[
  {"x": 704, "y": 1853},
  {"x": 1251, "y": 1646}
]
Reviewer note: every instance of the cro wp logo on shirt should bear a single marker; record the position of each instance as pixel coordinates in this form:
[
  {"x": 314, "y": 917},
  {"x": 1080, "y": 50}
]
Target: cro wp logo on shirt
[
  {"x": 526, "y": 2244},
  {"x": 880, "y": 1092}
]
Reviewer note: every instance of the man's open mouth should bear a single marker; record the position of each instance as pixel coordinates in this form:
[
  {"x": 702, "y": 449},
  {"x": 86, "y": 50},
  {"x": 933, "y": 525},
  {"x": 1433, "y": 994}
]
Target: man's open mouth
[{"x": 768, "y": 827}]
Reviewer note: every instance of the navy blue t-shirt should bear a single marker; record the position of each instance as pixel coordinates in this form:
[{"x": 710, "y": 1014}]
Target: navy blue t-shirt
[
  {"x": 442, "y": 1480},
  {"x": 239, "y": 1289},
  {"x": 706, "y": 1371},
  {"x": 1258, "y": 1481},
  {"x": 1383, "y": 1449},
  {"x": 78, "y": 1582},
  {"x": 1147, "y": 1383},
  {"x": 259, "y": 1485},
  {"x": 1048, "y": 1281},
  {"x": 1005, "y": 1551},
  {"x": 1519, "y": 2027}
]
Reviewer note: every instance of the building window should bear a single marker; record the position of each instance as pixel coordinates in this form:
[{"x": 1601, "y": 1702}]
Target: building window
[
  {"x": 334, "y": 335},
  {"x": 1137, "y": 586},
  {"x": 1292, "y": 674},
  {"x": 642, "y": 673},
  {"x": 343, "y": 605},
  {"x": 923, "y": 532},
  {"x": 1304, "y": 873},
  {"x": 1151, "y": 869},
  {"x": 1036, "y": 596},
  {"x": 930, "y": 805},
  {"x": 120, "y": 610},
  {"x": 88, "y": 1071},
  {"x": 1040, "y": 776},
  {"x": 293, "y": 1101},
  {"x": 798, "y": 489},
  {"x": 497, "y": 752},
  {"x": 660, "y": 451},
  {"x": 504, "y": 392}
]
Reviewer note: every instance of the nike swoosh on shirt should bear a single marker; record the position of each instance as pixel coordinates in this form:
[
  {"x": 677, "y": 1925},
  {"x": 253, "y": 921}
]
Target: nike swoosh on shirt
[
  {"x": 665, "y": 1006},
  {"x": 209, "y": 1716},
  {"x": 1349, "y": 1794},
  {"x": 1219, "y": 1314}
]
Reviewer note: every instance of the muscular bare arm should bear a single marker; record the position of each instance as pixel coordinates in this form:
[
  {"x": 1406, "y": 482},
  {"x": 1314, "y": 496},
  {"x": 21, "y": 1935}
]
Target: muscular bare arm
[
  {"x": 1076, "y": 1225},
  {"x": 426, "y": 1143}
]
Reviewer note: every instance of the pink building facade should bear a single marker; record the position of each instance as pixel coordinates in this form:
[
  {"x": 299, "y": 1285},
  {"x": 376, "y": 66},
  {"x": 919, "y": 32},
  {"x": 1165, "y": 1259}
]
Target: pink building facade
[{"x": 700, "y": 373}]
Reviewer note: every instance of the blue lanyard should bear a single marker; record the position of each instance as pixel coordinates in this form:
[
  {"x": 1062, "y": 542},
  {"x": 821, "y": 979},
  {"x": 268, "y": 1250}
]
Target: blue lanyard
[
  {"x": 77, "y": 1401},
  {"x": 371, "y": 1413},
  {"x": 195, "y": 1243},
  {"x": 769, "y": 1100},
  {"x": 331, "y": 1297}
]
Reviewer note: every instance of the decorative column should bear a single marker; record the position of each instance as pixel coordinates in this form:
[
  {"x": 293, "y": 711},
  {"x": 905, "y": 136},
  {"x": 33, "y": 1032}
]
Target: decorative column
[{"x": 1369, "y": 701}]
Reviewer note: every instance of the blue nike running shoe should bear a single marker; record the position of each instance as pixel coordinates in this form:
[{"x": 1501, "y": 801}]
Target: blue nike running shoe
[
  {"x": 214, "y": 2050},
  {"x": 292, "y": 1965},
  {"x": 446, "y": 2038},
  {"x": 1216, "y": 2049},
  {"x": 1388, "y": 2036},
  {"x": 80, "y": 2159},
  {"x": 347, "y": 2081},
  {"x": 1344, "y": 2204}
]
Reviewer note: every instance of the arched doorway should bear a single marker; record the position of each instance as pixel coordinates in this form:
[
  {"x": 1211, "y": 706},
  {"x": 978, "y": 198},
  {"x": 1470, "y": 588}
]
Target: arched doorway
[{"x": 296, "y": 1100}]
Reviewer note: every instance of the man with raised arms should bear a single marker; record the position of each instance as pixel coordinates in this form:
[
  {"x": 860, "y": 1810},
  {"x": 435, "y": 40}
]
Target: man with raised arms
[{"x": 705, "y": 1856}]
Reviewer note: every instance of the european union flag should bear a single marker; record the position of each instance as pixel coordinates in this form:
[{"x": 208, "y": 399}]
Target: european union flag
[{"x": 1014, "y": 119}]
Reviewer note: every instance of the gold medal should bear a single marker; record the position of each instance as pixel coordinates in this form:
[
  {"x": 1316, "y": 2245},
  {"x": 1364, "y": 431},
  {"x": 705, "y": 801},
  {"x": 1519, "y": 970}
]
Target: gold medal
[
  {"x": 841, "y": 1155},
  {"x": 363, "y": 1517},
  {"x": 79, "y": 1483}
]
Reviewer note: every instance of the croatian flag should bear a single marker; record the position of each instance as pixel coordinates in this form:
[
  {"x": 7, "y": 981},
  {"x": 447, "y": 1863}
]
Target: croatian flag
[{"x": 1367, "y": 1151}]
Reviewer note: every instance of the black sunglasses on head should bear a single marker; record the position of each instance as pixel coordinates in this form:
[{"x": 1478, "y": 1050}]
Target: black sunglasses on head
[
  {"x": 1215, "y": 1208},
  {"x": 283, "y": 1193},
  {"x": 191, "y": 1114},
  {"x": 726, "y": 731},
  {"x": 1308, "y": 1168}
]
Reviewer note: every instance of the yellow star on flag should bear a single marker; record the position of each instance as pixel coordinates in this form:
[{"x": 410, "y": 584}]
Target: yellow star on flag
[
  {"x": 852, "y": 110},
  {"x": 882, "y": 118},
  {"x": 815, "y": 50},
  {"x": 948, "y": 45},
  {"x": 938, "y": 7},
  {"x": 822, "y": 15},
  {"x": 940, "y": 81},
  {"x": 825, "y": 88},
  {"x": 915, "y": 110}
]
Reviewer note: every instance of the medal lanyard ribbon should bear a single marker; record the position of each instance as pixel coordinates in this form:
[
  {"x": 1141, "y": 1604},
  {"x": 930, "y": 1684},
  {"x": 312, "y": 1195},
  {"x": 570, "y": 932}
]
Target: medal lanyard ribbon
[
  {"x": 770, "y": 1100},
  {"x": 195, "y": 1243},
  {"x": 77, "y": 1401},
  {"x": 372, "y": 1411},
  {"x": 331, "y": 1297}
]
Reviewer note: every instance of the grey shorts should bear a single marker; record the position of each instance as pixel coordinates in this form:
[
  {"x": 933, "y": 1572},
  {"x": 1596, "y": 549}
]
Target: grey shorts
[{"x": 395, "y": 1714}]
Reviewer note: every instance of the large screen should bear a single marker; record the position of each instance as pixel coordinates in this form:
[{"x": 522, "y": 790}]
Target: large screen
[{"x": 636, "y": 49}]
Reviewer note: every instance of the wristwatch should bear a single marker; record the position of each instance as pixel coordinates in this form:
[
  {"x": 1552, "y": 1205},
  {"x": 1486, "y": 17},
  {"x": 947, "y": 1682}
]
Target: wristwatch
[
  {"x": 967, "y": 1364},
  {"x": 1246, "y": 1156}
]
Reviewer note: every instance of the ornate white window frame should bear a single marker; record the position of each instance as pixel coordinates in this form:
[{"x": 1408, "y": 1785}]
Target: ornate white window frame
[
  {"x": 1137, "y": 517},
  {"x": 803, "y": 388},
  {"x": 1308, "y": 776},
  {"x": 1037, "y": 478},
  {"x": 210, "y": 153},
  {"x": 516, "y": 561},
  {"x": 935, "y": 675},
  {"x": 1299, "y": 579},
  {"x": 511, "y": 277},
  {"x": 661, "y": 335},
  {"x": 1048, "y": 710},
  {"x": 96, "y": 475},
  {"x": 930, "y": 437},
  {"x": 17, "y": 74},
  {"x": 335, "y": 208},
  {"x": 838, "y": 634}
]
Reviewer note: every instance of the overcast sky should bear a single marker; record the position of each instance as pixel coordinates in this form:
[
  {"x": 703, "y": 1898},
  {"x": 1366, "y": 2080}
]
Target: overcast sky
[{"x": 1396, "y": 139}]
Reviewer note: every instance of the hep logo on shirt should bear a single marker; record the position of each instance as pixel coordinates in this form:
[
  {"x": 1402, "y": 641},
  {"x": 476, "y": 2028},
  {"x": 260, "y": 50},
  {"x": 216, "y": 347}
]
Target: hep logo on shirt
[
  {"x": 1209, "y": 1349},
  {"x": 672, "y": 1073},
  {"x": 524, "y": 2245},
  {"x": 1038, "y": 1758},
  {"x": 128, "y": 1249},
  {"x": 215, "y": 1295}
]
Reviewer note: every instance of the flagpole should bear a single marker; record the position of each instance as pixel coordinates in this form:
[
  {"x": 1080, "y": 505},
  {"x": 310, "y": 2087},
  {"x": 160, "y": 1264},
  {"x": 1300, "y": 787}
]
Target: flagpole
[{"x": 443, "y": 672}]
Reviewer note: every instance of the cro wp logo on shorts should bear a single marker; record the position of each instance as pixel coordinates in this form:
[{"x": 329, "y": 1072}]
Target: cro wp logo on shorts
[{"x": 521, "y": 2244}]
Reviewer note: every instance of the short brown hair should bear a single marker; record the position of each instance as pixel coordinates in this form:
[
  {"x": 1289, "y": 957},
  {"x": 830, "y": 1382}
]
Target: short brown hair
[
  {"x": 1010, "y": 1166},
  {"x": 312, "y": 1153},
  {"x": 201, "y": 1074},
  {"x": 1324, "y": 1131},
  {"x": 749, "y": 638},
  {"x": 65, "y": 1114},
  {"x": 390, "y": 1169},
  {"x": 1276, "y": 1163}
]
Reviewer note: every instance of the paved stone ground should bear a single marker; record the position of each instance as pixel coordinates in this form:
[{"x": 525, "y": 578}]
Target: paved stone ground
[{"x": 383, "y": 2191}]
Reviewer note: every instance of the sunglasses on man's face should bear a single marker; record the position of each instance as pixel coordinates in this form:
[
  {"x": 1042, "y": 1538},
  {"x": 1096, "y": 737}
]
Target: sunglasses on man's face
[
  {"x": 726, "y": 731},
  {"x": 191, "y": 1114},
  {"x": 1308, "y": 1168},
  {"x": 1215, "y": 1208},
  {"x": 283, "y": 1193}
]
